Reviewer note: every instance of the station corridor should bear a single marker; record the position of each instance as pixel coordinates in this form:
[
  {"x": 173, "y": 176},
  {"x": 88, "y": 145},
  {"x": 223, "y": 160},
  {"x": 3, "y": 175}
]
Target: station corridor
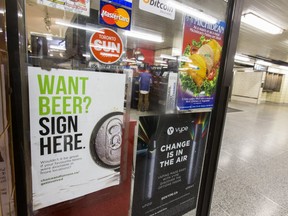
[{"x": 252, "y": 176}]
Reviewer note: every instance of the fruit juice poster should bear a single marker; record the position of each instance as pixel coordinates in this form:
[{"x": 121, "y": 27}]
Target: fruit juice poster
[
  {"x": 75, "y": 6},
  {"x": 202, "y": 48}
]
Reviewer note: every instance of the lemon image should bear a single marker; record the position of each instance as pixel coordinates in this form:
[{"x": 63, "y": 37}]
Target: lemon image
[
  {"x": 216, "y": 50},
  {"x": 198, "y": 65},
  {"x": 196, "y": 68}
]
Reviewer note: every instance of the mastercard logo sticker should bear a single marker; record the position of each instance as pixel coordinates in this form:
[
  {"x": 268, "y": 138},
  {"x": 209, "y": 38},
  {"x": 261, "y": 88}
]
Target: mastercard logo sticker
[{"x": 115, "y": 16}]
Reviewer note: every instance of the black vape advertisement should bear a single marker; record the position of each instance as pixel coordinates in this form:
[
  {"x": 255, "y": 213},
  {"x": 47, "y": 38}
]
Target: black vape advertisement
[{"x": 170, "y": 152}]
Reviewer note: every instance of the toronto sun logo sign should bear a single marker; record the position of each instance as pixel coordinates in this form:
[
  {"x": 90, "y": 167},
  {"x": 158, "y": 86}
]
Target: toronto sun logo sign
[{"x": 106, "y": 46}]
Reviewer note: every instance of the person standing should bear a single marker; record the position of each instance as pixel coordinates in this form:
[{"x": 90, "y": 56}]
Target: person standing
[{"x": 145, "y": 81}]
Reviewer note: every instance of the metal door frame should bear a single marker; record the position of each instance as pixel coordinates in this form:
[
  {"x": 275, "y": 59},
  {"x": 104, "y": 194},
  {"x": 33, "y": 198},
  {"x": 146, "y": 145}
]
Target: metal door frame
[{"x": 20, "y": 107}]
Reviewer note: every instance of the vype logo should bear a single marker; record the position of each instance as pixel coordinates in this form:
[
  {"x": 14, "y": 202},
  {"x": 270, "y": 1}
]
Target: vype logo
[
  {"x": 180, "y": 130},
  {"x": 170, "y": 130}
]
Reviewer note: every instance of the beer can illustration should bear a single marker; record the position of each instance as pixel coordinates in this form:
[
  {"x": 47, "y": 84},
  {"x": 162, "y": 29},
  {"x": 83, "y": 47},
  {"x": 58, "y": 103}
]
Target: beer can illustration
[{"x": 106, "y": 140}]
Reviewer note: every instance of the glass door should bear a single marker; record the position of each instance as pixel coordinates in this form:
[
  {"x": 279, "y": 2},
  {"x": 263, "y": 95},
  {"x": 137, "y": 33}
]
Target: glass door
[{"x": 120, "y": 100}]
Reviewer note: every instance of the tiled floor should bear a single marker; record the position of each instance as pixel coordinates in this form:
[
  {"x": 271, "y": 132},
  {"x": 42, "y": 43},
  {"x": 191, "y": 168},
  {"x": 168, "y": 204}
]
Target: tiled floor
[{"x": 252, "y": 176}]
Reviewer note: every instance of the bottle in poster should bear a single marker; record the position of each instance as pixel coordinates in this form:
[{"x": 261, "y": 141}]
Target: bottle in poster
[
  {"x": 193, "y": 156},
  {"x": 150, "y": 170}
]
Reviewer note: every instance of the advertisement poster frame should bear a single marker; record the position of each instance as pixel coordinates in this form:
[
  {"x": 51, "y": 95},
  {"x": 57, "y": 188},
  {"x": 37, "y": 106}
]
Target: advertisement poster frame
[
  {"x": 74, "y": 130},
  {"x": 169, "y": 157},
  {"x": 198, "y": 75}
]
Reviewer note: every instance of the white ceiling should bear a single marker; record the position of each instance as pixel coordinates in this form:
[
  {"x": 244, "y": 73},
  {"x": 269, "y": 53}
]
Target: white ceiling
[
  {"x": 35, "y": 14},
  {"x": 251, "y": 41}
]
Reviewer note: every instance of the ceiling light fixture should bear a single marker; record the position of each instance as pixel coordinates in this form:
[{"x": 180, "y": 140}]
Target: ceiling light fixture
[
  {"x": 49, "y": 38},
  {"x": 41, "y": 34},
  {"x": 184, "y": 59},
  {"x": 244, "y": 63},
  {"x": 140, "y": 58},
  {"x": 86, "y": 55},
  {"x": 144, "y": 36},
  {"x": 128, "y": 60},
  {"x": 57, "y": 47},
  {"x": 273, "y": 70},
  {"x": 241, "y": 58},
  {"x": 164, "y": 56},
  {"x": 260, "y": 23},
  {"x": 160, "y": 61},
  {"x": 261, "y": 62},
  {"x": 182, "y": 69},
  {"x": 192, "y": 11},
  {"x": 283, "y": 67},
  {"x": 77, "y": 26},
  {"x": 180, "y": 58},
  {"x": 195, "y": 67}
]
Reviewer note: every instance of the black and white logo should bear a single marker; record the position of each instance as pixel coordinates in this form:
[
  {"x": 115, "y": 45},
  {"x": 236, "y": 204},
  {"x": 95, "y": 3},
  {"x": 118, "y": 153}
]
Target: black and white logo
[
  {"x": 170, "y": 130},
  {"x": 179, "y": 130}
]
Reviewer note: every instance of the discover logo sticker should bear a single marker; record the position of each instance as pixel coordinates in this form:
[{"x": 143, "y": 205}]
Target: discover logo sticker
[{"x": 158, "y": 7}]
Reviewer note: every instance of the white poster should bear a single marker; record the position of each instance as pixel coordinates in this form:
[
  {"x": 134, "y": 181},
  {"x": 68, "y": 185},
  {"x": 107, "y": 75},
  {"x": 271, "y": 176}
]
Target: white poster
[
  {"x": 171, "y": 92},
  {"x": 74, "y": 6},
  {"x": 76, "y": 120}
]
